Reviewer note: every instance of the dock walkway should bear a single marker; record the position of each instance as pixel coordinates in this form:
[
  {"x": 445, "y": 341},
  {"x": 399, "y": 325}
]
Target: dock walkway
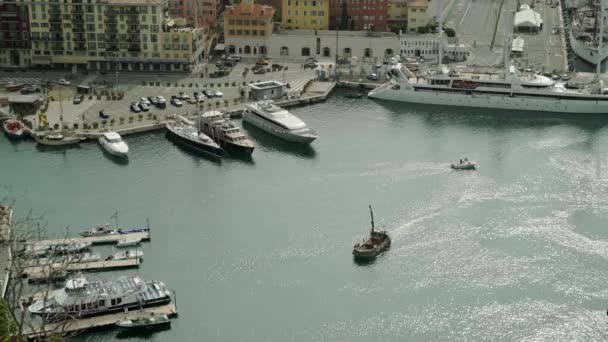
[
  {"x": 35, "y": 273},
  {"x": 105, "y": 320},
  {"x": 95, "y": 240}
]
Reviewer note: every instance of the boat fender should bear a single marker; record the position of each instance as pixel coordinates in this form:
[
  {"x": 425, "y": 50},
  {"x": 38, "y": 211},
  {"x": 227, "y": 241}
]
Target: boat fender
[{"x": 138, "y": 284}]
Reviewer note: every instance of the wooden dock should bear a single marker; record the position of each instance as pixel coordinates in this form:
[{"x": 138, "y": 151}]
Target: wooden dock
[
  {"x": 37, "y": 273},
  {"x": 78, "y": 325},
  {"x": 95, "y": 240}
]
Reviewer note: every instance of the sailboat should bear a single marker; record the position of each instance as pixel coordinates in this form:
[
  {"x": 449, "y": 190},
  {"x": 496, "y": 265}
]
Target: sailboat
[
  {"x": 378, "y": 242},
  {"x": 52, "y": 138}
]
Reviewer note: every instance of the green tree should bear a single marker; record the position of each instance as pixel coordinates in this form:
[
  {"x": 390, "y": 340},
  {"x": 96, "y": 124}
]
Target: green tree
[
  {"x": 7, "y": 325},
  {"x": 344, "y": 17}
]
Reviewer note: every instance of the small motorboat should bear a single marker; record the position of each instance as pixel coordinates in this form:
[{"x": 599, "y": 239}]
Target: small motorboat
[
  {"x": 378, "y": 242},
  {"x": 145, "y": 322},
  {"x": 56, "y": 139},
  {"x": 128, "y": 242},
  {"x": 464, "y": 165},
  {"x": 112, "y": 142},
  {"x": 83, "y": 258},
  {"x": 126, "y": 255},
  {"x": 15, "y": 129},
  {"x": 353, "y": 95},
  {"x": 100, "y": 231},
  {"x": 60, "y": 249}
]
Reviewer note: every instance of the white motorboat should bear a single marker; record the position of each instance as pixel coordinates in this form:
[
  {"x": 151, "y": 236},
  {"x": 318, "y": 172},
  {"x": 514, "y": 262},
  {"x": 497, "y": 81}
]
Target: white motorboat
[
  {"x": 100, "y": 231},
  {"x": 278, "y": 122},
  {"x": 126, "y": 255},
  {"x": 128, "y": 242},
  {"x": 83, "y": 258},
  {"x": 113, "y": 144},
  {"x": 145, "y": 322}
]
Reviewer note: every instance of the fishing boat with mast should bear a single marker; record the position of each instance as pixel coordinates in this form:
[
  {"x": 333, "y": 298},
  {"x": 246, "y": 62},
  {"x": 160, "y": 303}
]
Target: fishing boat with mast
[
  {"x": 220, "y": 128},
  {"x": 185, "y": 133},
  {"x": 377, "y": 242},
  {"x": 57, "y": 138}
]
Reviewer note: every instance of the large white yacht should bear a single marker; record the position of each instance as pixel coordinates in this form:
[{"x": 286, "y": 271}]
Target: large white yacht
[
  {"x": 113, "y": 143},
  {"x": 278, "y": 121}
]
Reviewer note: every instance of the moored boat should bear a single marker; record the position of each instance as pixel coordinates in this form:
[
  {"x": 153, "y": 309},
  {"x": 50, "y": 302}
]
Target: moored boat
[
  {"x": 378, "y": 242},
  {"x": 464, "y": 165},
  {"x": 152, "y": 321},
  {"x": 126, "y": 255},
  {"x": 100, "y": 231},
  {"x": 14, "y": 86},
  {"x": 278, "y": 122},
  {"x": 225, "y": 132},
  {"x": 112, "y": 142},
  {"x": 194, "y": 138},
  {"x": 81, "y": 298},
  {"x": 128, "y": 242},
  {"x": 15, "y": 129},
  {"x": 56, "y": 139},
  {"x": 353, "y": 95}
]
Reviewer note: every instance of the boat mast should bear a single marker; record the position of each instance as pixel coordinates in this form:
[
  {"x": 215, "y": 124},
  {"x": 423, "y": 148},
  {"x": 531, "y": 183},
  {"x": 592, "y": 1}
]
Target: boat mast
[
  {"x": 372, "y": 215},
  {"x": 600, "y": 41},
  {"x": 440, "y": 58}
]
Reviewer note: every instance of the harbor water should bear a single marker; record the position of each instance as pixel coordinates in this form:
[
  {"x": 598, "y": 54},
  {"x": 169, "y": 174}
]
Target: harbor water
[{"x": 260, "y": 250}]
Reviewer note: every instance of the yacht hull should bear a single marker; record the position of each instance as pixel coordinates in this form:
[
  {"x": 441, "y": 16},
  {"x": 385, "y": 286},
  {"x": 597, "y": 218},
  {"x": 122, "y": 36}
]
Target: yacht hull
[
  {"x": 279, "y": 132},
  {"x": 200, "y": 147},
  {"x": 492, "y": 101}
]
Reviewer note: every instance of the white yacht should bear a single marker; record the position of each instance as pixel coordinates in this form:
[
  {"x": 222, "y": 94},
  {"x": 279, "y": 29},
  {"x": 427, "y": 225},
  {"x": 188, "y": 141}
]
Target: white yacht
[
  {"x": 113, "y": 143},
  {"x": 278, "y": 121}
]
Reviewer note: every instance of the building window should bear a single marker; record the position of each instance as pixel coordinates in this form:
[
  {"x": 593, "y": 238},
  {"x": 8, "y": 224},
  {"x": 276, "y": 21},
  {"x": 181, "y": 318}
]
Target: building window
[
  {"x": 246, "y": 32},
  {"x": 305, "y": 52},
  {"x": 239, "y": 32},
  {"x": 231, "y": 32},
  {"x": 247, "y": 49},
  {"x": 262, "y": 33},
  {"x": 284, "y": 51},
  {"x": 326, "y": 52},
  {"x": 231, "y": 21}
]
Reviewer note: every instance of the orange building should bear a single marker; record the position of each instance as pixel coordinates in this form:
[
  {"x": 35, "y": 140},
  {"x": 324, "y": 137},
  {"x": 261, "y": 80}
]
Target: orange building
[{"x": 247, "y": 28}]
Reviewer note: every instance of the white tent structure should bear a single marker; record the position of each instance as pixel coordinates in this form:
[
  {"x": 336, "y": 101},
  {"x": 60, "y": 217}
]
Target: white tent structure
[
  {"x": 528, "y": 20},
  {"x": 517, "y": 47}
]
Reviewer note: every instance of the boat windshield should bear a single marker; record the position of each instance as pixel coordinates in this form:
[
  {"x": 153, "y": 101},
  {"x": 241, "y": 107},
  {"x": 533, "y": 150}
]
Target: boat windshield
[{"x": 114, "y": 140}]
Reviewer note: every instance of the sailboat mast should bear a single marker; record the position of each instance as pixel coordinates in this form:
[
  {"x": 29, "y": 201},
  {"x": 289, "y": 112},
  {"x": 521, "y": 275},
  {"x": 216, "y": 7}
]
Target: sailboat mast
[
  {"x": 600, "y": 40},
  {"x": 372, "y": 215},
  {"x": 440, "y": 46}
]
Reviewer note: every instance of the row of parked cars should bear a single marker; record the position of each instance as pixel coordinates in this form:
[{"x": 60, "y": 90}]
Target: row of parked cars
[{"x": 144, "y": 104}]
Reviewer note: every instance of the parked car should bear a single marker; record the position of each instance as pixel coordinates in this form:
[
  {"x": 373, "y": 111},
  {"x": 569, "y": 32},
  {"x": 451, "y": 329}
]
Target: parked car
[
  {"x": 144, "y": 107},
  {"x": 153, "y": 99},
  {"x": 192, "y": 100},
  {"x": 144, "y": 101},
  {"x": 103, "y": 114},
  {"x": 311, "y": 60},
  {"x": 218, "y": 93},
  {"x": 30, "y": 90},
  {"x": 276, "y": 67},
  {"x": 565, "y": 77},
  {"x": 373, "y": 77},
  {"x": 230, "y": 63},
  {"x": 219, "y": 64},
  {"x": 78, "y": 99},
  {"x": 310, "y": 65},
  {"x": 176, "y": 102},
  {"x": 259, "y": 71},
  {"x": 183, "y": 96},
  {"x": 555, "y": 77},
  {"x": 135, "y": 107},
  {"x": 219, "y": 73},
  {"x": 262, "y": 61},
  {"x": 63, "y": 82},
  {"x": 200, "y": 98},
  {"x": 209, "y": 93},
  {"x": 236, "y": 58}
]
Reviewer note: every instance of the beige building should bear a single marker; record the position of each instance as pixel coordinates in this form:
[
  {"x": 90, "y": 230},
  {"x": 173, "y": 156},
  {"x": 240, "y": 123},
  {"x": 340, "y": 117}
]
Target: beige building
[
  {"x": 107, "y": 34},
  {"x": 305, "y": 14},
  {"x": 396, "y": 11},
  {"x": 247, "y": 28},
  {"x": 417, "y": 14}
]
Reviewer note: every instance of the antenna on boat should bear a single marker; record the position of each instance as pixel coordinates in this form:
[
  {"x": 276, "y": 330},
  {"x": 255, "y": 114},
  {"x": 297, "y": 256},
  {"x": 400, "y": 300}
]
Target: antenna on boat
[
  {"x": 115, "y": 216},
  {"x": 372, "y": 216}
]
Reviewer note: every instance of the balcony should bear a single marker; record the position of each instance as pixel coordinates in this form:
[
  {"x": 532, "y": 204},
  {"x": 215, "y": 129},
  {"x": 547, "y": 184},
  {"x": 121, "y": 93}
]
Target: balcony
[
  {"x": 56, "y": 46},
  {"x": 134, "y": 49},
  {"x": 55, "y": 19},
  {"x": 80, "y": 39}
]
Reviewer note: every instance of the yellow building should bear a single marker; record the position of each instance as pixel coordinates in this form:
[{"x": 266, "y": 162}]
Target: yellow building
[
  {"x": 417, "y": 14},
  {"x": 247, "y": 27},
  {"x": 396, "y": 10},
  {"x": 305, "y": 14}
]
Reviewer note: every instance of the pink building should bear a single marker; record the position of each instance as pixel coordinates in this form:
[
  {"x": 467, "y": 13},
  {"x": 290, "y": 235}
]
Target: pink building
[{"x": 207, "y": 11}]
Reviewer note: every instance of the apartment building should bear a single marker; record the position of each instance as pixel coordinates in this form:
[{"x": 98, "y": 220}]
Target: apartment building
[
  {"x": 247, "y": 28},
  {"x": 305, "y": 14},
  {"x": 109, "y": 34},
  {"x": 14, "y": 34},
  {"x": 396, "y": 14},
  {"x": 202, "y": 12},
  {"x": 417, "y": 14},
  {"x": 361, "y": 14}
]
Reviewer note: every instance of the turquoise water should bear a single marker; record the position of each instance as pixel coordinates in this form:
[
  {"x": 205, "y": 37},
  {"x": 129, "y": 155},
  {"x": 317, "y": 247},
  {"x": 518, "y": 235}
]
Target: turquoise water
[{"x": 261, "y": 250}]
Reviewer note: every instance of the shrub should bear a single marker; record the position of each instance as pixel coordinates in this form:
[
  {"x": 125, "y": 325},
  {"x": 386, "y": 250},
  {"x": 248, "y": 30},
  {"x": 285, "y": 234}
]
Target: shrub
[
  {"x": 75, "y": 126},
  {"x": 112, "y": 122},
  {"x": 95, "y": 125},
  {"x": 56, "y": 126},
  {"x": 154, "y": 117},
  {"x": 122, "y": 120},
  {"x": 85, "y": 125},
  {"x": 104, "y": 122},
  {"x": 130, "y": 118},
  {"x": 226, "y": 84},
  {"x": 233, "y": 83},
  {"x": 140, "y": 116}
]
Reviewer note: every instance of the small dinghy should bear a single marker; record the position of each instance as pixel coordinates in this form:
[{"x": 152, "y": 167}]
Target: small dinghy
[
  {"x": 128, "y": 242},
  {"x": 145, "y": 322},
  {"x": 464, "y": 164},
  {"x": 99, "y": 231},
  {"x": 378, "y": 242},
  {"x": 353, "y": 95}
]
